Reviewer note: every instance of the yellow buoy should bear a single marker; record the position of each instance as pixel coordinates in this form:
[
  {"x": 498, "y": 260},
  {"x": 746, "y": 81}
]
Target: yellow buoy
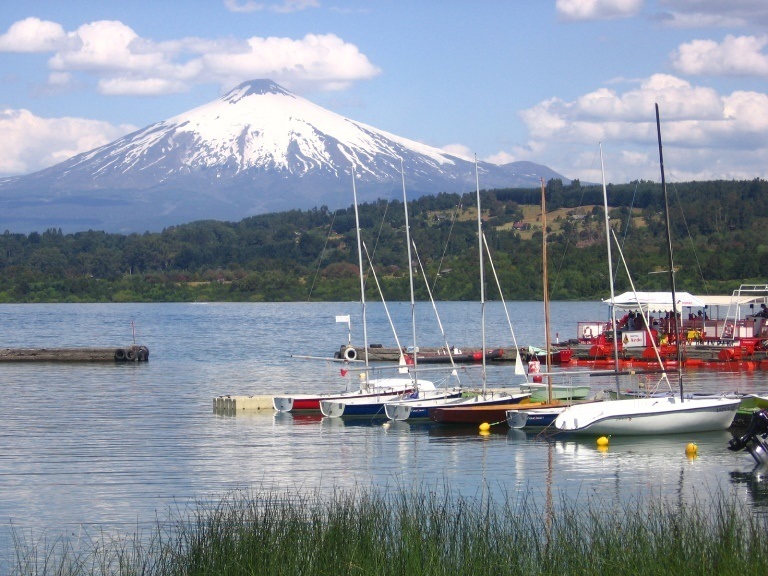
[
  {"x": 484, "y": 427},
  {"x": 691, "y": 449},
  {"x": 602, "y": 441}
]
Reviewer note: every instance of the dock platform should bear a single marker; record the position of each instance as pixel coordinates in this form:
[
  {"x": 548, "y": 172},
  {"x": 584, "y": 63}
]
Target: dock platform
[
  {"x": 131, "y": 353},
  {"x": 231, "y": 405}
]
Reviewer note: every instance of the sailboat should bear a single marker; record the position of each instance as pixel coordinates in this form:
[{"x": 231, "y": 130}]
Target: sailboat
[
  {"x": 371, "y": 389},
  {"x": 544, "y": 414},
  {"x": 460, "y": 410},
  {"x": 549, "y": 391},
  {"x": 673, "y": 414},
  {"x": 422, "y": 389}
]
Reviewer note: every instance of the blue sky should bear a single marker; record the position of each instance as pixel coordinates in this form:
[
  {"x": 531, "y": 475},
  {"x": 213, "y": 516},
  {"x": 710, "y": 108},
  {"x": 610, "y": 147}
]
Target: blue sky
[{"x": 537, "y": 80}]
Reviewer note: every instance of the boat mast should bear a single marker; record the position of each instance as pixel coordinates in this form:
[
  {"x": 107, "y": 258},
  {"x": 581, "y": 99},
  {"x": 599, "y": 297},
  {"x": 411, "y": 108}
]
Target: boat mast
[
  {"x": 362, "y": 279},
  {"x": 410, "y": 266},
  {"x": 546, "y": 288},
  {"x": 610, "y": 276},
  {"x": 675, "y": 327},
  {"x": 482, "y": 271}
]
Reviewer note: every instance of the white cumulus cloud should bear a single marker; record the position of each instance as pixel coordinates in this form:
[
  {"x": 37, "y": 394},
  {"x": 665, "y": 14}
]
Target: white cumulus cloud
[
  {"x": 735, "y": 55},
  {"x": 597, "y": 9},
  {"x": 706, "y": 135},
  {"x": 322, "y": 61},
  {"x": 31, "y": 143},
  {"x": 33, "y": 35},
  {"x": 124, "y": 63},
  {"x": 105, "y": 46}
]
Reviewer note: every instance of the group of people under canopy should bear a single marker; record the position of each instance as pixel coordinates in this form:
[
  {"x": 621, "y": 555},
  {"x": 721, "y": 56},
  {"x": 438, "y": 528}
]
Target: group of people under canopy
[{"x": 657, "y": 307}]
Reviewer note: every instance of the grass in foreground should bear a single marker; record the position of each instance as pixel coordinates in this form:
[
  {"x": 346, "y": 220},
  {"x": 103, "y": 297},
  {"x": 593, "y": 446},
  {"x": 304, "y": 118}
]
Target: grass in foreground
[{"x": 370, "y": 532}]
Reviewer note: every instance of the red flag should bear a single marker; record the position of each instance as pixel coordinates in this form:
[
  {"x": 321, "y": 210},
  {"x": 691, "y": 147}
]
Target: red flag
[{"x": 344, "y": 371}]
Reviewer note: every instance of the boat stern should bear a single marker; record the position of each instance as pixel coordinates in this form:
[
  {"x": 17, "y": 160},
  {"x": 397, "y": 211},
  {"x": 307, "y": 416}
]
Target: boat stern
[
  {"x": 283, "y": 403},
  {"x": 398, "y": 412},
  {"x": 332, "y": 408}
]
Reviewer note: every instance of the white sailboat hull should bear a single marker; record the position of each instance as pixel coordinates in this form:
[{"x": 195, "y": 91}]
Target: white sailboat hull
[
  {"x": 372, "y": 406},
  {"x": 417, "y": 407},
  {"x": 533, "y": 417},
  {"x": 648, "y": 416}
]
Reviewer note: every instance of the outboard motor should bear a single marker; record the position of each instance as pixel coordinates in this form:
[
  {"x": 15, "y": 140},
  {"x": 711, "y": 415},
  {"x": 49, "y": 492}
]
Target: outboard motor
[{"x": 754, "y": 440}]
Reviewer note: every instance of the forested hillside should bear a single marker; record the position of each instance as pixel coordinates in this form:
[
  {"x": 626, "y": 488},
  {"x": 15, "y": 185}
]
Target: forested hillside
[{"x": 718, "y": 233}]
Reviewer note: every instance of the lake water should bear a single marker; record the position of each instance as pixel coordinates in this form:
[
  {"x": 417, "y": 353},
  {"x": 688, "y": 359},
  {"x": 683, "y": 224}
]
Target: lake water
[{"x": 114, "y": 446}]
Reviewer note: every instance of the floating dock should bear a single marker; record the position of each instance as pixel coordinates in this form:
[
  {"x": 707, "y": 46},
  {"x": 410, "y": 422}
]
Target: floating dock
[
  {"x": 132, "y": 353},
  {"x": 231, "y": 405}
]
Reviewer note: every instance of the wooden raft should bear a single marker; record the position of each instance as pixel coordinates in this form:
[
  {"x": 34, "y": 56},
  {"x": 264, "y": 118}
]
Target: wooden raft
[{"x": 131, "y": 353}]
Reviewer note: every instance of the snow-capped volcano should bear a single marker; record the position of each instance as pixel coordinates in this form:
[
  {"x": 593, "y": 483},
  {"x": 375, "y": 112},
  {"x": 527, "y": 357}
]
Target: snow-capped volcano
[{"x": 258, "y": 148}]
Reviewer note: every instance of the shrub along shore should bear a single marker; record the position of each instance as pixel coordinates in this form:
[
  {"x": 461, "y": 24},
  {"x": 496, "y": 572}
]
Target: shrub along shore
[{"x": 418, "y": 532}]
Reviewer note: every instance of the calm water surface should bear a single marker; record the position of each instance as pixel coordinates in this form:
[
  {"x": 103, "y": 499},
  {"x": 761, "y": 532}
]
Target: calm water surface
[{"x": 111, "y": 445}]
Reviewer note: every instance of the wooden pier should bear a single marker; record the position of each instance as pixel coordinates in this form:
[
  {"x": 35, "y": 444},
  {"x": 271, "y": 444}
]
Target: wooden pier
[{"x": 131, "y": 353}]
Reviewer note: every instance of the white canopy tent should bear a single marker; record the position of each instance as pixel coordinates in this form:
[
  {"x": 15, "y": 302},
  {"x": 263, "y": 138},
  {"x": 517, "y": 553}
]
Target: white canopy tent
[
  {"x": 650, "y": 302},
  {"x": 737, "y": 315},
  {"x": 731, "y": 300},
  {"x": 655, "y": 301}
]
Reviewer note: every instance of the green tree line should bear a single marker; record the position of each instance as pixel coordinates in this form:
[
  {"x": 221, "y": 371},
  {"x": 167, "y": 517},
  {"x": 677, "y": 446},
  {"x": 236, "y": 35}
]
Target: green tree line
[{"x": 718, "y": 230}]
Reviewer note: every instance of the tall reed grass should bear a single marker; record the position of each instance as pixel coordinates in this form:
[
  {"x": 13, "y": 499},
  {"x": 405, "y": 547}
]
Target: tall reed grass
[{"x": 417, "y": 532}]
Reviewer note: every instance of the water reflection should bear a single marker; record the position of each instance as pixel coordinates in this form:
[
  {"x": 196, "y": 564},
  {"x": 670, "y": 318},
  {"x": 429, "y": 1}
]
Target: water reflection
[
  {"x": 285, "y": 418},
  {"x": 542, "y": 465},
  {"x": 755, "y": 482},
  {"x": 120, "y": 443}
]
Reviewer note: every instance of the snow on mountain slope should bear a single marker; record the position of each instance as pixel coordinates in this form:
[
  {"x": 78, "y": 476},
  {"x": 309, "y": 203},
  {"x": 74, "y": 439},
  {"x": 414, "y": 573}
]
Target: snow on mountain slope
[
  {"x": 257, "y": 126},
  {"x": 257, "y": 149}
]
